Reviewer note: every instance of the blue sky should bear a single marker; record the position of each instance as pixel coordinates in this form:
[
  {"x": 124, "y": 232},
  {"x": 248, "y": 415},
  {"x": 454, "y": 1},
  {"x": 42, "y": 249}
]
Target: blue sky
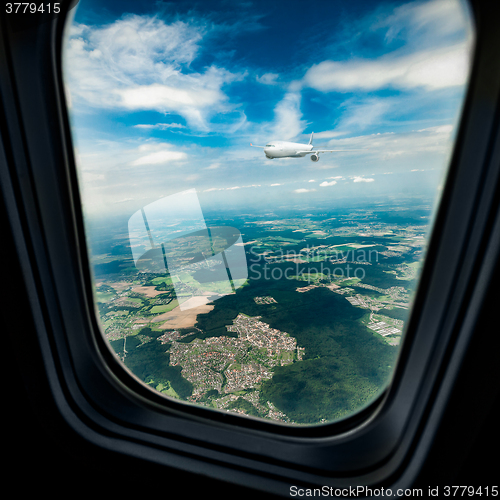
[{"x": 167, "y": 96}]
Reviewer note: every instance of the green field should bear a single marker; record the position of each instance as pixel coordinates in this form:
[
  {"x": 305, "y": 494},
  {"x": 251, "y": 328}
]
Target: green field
[
  {"x": 104, "y": 296},
  {"x": 162, "y": 279},
  {"x": 164, "y": 308}
]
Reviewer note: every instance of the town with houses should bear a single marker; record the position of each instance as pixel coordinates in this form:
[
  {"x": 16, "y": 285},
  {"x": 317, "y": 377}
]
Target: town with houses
[{"x": 230, "y": 365}]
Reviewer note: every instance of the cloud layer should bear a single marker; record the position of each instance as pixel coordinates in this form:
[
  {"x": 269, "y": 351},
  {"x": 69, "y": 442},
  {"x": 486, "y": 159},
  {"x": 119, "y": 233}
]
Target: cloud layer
[
  {"x": 142, "y": 63},
  {"x": 168, "y": 101}
]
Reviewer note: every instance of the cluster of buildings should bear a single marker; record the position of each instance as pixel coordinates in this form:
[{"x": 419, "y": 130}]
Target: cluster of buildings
[
  {"x": 398, "y": 297},
  {"x": 261, "y": 335},
  {"x": 359, "y": 301},
  {"x": 265, "y": 300},
  {"x": 246, "y": 376},
  {"x": 169, "y": 336},
  {"x": 268, "y": 410},
  {"x": 227, "y": 364},
  {"x": 382, "y": 328}
]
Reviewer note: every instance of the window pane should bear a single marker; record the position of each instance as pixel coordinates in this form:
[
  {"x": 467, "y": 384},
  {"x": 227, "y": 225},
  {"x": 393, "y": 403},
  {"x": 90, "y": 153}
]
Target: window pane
[{"x": 230, "y": 270}]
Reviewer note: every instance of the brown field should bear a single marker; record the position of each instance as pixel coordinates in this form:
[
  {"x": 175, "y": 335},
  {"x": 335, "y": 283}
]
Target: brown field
[
  {"x": 148, "y": 291},
  {"x": 331, "y": 286},
  {"x": 119, "y": 286},
  {"x": 306, "y": 288},
  {"x": 184, "y": 319},
  {"x": 295, "y": 259}
]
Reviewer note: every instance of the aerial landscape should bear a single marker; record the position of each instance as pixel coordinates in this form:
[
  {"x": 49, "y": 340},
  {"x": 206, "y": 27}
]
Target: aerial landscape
[
  {"x": 311, "y": 336},
  {"x": 274, "y": 282}
]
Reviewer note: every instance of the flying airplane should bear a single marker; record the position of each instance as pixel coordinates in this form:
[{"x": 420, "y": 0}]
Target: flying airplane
[{"x": 284, "y": 149}]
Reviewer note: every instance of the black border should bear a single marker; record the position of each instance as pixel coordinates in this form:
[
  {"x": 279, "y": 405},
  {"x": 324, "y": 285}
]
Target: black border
[{"x": 96, "y": 398}]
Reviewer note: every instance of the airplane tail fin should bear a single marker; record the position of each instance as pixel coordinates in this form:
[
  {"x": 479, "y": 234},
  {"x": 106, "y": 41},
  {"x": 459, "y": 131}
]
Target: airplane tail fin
[{"x": 311, "y": 139}]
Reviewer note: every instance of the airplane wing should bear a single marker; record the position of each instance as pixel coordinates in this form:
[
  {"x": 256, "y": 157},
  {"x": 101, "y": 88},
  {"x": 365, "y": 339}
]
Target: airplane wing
[
  {"x": 327, "y": 151},
  {"x": 254, "y": 146}
]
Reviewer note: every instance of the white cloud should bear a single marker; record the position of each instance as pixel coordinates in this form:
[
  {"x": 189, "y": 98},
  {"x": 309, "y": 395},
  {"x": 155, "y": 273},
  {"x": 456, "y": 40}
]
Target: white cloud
[
  {"x": 428, "y": 56},
  {"x": 140, "y": 62},
  {"x": 303, "y": 190},
  {"x": 384, "y": 146},
  {"x": 288, "y": 123},
  {"x": 359, "y": 115},
  {"x": 425, "y": 22},
  {"x": 443, "y": 129},
  {"x": 160, "y": 126},
  {"x": 326, "y": 183},
  {"x": 268, "y": 78},
  {"x": 312, "y": 180},
  {"x": 157, "y": 153},
  {"x": 231, "y": 188},
  {"x": 124, "y": 200},
  {"x": 431, "y": 69},
  {"x": 363, "y": 179},
  {"x": 191, "y": 97},
  {"x": 276, "y": 184},
  {"x": 322, "y": 165},
  {"x": 327, "y": 134},
  {"x": 159, "y": 157}
]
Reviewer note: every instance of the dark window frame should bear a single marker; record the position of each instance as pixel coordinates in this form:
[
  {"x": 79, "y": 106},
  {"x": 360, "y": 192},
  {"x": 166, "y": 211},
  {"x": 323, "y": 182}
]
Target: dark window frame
[{"x": 110, "y": 408}]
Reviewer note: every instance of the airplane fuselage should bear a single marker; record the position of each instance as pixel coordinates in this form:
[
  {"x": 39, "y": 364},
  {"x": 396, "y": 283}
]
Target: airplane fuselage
[{"x": 283, "y": 149}]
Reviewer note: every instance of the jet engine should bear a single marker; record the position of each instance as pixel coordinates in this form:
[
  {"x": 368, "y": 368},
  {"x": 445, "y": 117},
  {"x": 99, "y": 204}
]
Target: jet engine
[{"x": 314, "y": 157}]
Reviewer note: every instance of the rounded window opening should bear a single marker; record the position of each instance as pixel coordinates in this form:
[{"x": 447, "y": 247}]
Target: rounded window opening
[{"x": 259, "y": 190}]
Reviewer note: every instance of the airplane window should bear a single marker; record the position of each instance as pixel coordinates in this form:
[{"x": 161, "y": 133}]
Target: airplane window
[{"x": 271, "y": 284}]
